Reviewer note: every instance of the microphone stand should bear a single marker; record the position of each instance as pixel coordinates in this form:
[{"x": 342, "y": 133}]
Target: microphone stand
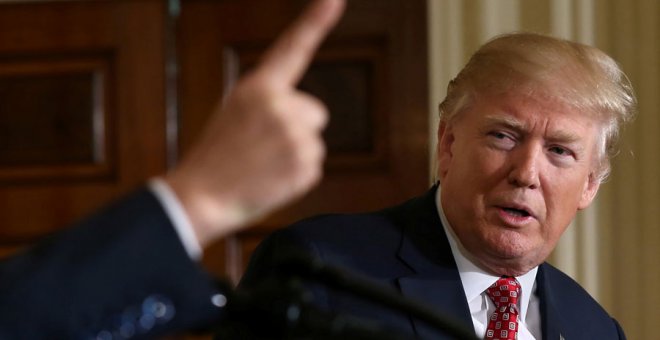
[
  {"x": 281, "y": 308},
  {"x": 337, "y": 278}
]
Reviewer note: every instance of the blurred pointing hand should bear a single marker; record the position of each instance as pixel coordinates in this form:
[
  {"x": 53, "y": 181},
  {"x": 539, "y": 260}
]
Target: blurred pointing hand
[{"x": 263, "y": 148}]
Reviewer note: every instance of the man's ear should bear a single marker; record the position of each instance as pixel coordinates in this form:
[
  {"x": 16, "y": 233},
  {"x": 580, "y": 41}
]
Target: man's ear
[
  {"x": 444, "y": 151},
  {"x": 589, "y": 191}
]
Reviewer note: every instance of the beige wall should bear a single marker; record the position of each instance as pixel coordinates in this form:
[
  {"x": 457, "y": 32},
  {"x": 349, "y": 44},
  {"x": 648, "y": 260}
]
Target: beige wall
[{"x": 613, "y": 248}]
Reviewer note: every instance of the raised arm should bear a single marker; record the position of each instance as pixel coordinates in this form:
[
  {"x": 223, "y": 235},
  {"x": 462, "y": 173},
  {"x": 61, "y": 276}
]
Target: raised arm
[{"x": 262, "y": 148}]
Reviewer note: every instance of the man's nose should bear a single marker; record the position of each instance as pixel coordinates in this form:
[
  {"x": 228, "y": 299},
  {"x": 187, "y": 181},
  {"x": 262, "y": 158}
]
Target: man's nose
[{"x": 524, "y": 167}]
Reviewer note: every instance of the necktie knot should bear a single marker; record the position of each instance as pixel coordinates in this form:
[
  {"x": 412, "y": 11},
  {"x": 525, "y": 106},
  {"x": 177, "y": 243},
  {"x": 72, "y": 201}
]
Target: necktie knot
[
  {"x": 504, "y": 292},
  {"x": 503, "y": 323}
]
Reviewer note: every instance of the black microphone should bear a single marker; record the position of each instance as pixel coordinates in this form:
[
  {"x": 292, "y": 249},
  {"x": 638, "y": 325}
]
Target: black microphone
[
  {"x": 281, "y": 308},
  {"x": 300, "y": 265}
]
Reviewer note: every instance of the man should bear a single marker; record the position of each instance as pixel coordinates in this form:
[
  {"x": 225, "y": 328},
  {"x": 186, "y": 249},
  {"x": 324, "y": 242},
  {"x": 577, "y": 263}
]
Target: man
[
  {"x": 130, "y": 271},
  {"x": 524, "y": 141}
]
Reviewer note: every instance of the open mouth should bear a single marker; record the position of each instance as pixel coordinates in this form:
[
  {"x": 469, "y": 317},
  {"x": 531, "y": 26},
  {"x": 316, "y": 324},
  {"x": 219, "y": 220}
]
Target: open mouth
[{"x": 517, "y": 212}]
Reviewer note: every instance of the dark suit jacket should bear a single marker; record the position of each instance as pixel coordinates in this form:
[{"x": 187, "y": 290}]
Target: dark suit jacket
[
  {"x": 121, "y": 271},
  {"x": 405, "y": 248}
]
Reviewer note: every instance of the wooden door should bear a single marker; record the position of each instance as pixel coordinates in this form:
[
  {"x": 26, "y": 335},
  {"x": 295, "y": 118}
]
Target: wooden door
[
  {"x": 371, "y": 73},
  {"x": 88, "y": 104},
  {"x": 82, "y": 102}
]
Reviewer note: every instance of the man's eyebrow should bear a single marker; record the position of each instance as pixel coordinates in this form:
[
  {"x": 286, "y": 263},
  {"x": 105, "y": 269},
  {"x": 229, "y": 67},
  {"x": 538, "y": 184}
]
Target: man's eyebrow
[
  {"x": 512, "y": 123},
  {"x": 564, "y": 137},
  {"x": 507, "y": 121}
]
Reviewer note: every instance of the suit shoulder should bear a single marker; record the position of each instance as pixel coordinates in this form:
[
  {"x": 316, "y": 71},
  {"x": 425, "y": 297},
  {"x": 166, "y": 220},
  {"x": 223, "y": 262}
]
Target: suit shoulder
[
  {"x": 577, "y": 305},
  {"x": 332, "y": 224},
  {"x": 360, "y": 242},
  {"x": 345, "y": 235},
  {"x": 570, "y": 291},
  {"x": 389, "y": 220}
]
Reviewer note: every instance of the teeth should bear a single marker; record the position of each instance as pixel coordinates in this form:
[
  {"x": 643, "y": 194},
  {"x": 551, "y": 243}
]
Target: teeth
[{"x": 517, "y": 212}]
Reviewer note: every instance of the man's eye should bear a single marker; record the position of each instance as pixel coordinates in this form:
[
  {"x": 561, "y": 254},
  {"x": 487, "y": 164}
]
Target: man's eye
[
  {"x": 558, "y": 150},
  {"x": 499, "y": 135},
  {"x": 501, "y": 140}
]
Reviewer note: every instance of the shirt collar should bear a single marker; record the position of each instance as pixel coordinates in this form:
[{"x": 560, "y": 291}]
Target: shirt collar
[{"x": 474, "y": 279}]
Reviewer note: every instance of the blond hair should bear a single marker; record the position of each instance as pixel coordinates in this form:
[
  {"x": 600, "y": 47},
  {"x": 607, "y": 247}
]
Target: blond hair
[{"x": 578, "y": 75}]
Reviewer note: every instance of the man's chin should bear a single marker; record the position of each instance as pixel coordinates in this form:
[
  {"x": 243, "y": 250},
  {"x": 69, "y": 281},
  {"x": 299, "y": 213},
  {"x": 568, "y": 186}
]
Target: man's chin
[{"x": 510, "y": 261}]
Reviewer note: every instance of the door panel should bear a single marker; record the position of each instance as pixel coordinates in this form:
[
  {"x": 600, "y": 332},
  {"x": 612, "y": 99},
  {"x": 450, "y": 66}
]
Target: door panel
[
  {"x": 88, "y": 105},
  {"x": 371, "y": 73},
  {"x": 81, "y": 109}
]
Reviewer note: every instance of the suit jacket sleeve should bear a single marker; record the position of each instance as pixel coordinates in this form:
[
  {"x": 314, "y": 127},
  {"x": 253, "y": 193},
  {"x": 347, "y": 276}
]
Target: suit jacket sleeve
[{"x": 122, "y": 271}]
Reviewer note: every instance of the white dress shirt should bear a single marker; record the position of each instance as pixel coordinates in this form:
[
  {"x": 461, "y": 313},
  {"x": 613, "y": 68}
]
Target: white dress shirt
[
  {"x": 475, "y": 282},
  {"x": 177, "y": 216}
]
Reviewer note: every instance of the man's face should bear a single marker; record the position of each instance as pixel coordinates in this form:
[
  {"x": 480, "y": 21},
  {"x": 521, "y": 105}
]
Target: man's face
[{"x": 514, "y": 170}]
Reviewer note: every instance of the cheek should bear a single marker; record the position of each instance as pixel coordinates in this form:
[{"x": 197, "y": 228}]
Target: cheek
[
  {"x": 487, "y": 167},
  {"x": 473, "y": 177},
  {"x": 564, "y": 189},
  {"x": 561, "y": 200},
  {"x": 471, "y": 167},
  {"x": 551, "y": 234}
]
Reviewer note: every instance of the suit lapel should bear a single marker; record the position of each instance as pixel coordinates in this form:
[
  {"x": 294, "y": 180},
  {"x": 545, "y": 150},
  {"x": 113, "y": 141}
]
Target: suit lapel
[
  {"x": 550, "y": 318},
  {"x": 433, "y": 293},
  {"x": 435, "y": 279}
]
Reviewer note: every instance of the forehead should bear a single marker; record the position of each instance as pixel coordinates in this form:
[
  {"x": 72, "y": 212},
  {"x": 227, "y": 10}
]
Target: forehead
[{"x": 528, "y": 113}]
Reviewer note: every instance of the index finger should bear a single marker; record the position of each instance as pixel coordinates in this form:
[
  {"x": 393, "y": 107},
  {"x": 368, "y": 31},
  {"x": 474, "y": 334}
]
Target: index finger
[{"x": 287, "y": 59}]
